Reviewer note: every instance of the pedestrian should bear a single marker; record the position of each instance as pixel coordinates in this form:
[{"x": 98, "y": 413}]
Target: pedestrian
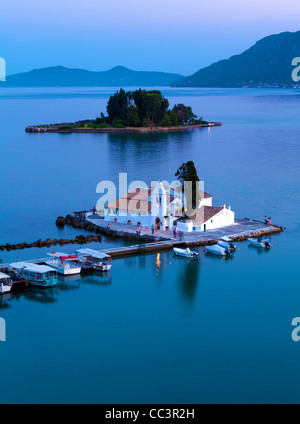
[
  {"x": 175, "y": 233},
  {"x": 152, "y": 228}
]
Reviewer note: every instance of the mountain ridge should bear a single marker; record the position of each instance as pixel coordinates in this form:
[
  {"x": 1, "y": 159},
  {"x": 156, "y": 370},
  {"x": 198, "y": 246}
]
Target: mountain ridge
[
  {"x": 267, "y": 62},
  {"x": 61, "y": 76}
]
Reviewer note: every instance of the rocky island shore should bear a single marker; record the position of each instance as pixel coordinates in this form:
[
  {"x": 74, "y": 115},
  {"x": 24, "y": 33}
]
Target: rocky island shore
[{"x": 140, "y": 111}]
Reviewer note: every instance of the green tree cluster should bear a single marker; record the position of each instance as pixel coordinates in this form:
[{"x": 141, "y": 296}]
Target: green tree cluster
[{"x": 142, "y": 108}]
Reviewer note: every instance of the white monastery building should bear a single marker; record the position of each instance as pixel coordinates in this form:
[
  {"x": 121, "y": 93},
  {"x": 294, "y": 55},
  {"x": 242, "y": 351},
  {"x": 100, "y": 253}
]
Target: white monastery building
[{"x": 162, "y": 207}]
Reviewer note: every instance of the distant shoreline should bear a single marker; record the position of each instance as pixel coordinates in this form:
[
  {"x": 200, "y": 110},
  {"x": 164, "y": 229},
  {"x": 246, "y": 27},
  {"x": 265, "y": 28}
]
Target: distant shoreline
[{"x": 36, "y": 129}]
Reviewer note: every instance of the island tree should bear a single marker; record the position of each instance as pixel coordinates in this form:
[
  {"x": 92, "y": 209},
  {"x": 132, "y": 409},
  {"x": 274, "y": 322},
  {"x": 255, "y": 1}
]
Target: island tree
[
  {"x": 188, "y": 173},
  {"x": 143, "y": 108}
]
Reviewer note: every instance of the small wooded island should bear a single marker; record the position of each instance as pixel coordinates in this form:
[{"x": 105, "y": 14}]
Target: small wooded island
[{"x": 137, "y": 111}]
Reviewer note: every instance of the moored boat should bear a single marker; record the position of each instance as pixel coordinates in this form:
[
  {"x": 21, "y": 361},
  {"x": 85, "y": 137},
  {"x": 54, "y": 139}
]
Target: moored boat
[
  {"x": 218, "y": 251},
  {"x": 96, "y": 260},
  {"x": 36, "y": 275},
  {"x": 260, "y": 243},
  {"x": 187, "y": 253},
  {"x": 5, "y": 283},
  {"x": 63, "y": 264},
  {"x": 227, "y": 245}
]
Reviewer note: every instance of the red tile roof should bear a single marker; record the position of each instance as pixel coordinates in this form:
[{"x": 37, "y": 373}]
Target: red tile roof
[{"x": 204, "y": 214}]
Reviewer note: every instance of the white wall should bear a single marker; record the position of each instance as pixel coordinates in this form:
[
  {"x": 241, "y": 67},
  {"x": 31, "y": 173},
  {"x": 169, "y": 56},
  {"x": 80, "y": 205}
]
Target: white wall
[
  {"x": 222, "y": 219},
  {"x": 206, "y": 202}
]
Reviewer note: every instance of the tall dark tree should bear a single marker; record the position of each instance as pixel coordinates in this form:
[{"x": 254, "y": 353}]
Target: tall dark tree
[
  {"x": 117, "y": 106},
  {"x": 188, "y": 173}
]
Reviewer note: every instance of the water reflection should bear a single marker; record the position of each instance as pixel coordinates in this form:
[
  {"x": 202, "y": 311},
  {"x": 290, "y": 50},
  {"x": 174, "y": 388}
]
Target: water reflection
[
  {"x": 4, "y": 299},
  {"x": 98, "y": 279},
  {"x": 158, "y": 263},
  {"x": 188, "y": 280},
  {"x": 45, "y": 296},
  {"x": 259, "y": 250},
  {"x": 71, "y": 282}
]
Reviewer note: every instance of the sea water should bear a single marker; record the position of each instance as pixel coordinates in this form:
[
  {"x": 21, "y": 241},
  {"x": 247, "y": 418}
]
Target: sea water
[{"x": 157, "y": 328}]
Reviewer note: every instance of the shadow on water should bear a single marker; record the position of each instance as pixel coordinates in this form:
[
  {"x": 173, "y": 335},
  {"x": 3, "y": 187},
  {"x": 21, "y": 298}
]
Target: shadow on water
[
  {"x": 188, "y": 280},
  {"x": 45, "y": 296},
  {"x": 3, "y": 301},
  {"x": 259, "y": 250}
]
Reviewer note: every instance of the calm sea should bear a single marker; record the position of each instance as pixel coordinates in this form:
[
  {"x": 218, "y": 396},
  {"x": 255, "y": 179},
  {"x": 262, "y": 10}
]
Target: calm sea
[{"x": 158, "y": 328}]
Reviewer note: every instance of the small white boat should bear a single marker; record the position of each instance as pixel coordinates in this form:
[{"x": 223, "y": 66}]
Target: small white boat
[
  {"x": 187, "y": 253},
  {"x": 218, "y": 251},
  {"x": 227, "y": 245},
  {"x": 63, "y": 263},
  {"x": 5, "y": 283},
  {"x": 97, "y": 260},
  {"x": 260, "y": 243}
]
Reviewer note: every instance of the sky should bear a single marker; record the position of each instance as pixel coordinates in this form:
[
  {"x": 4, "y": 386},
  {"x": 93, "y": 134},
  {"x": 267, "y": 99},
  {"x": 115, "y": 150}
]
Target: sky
[{"x": 179, "y": 36}]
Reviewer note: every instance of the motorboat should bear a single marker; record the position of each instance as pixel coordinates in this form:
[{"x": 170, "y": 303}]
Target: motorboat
[
  {"x": 36, "y": 275},
  {"x": 187, "y": 253},
  {"x": 227, "y": 245},
  {"x": 5, "y": 283},
  {"x": 260, "y": 243},
  {"x": 96, "y": 260},
  {"x": 64, "y": 264},
  {"x": 218, "y": 251}
]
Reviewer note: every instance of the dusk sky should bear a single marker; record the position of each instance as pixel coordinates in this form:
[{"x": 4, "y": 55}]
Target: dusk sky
[{"x": 179, "y": 36}]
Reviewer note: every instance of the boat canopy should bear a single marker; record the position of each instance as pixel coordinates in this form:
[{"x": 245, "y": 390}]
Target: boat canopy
[
  {"x": 38, "y": 269},
  {"x": 63, "y": 256},
  {"x": 4, "y": 276},
  {"x": 225, "y": 238},
  {"x": 92, "y": 253}
]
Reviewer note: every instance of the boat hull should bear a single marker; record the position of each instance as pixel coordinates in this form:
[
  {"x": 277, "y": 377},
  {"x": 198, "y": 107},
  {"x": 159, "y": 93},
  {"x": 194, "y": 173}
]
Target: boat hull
[
  {"x": 264, "y": 244},
  {"x": 184, "y": 254},
  {"x": 43, "y": 285},
  {"x": 4, "y": 289},
  {"x": 217, "y": 251},
  {"x": 67, "y": 272}
]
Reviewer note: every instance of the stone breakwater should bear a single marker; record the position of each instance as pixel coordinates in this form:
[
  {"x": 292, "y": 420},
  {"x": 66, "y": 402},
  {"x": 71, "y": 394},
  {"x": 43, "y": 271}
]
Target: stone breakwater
[
  {"x": 61, "y": 221},
  {"x": 81, "y": 239},
  {"x": 78, "y": 220}
]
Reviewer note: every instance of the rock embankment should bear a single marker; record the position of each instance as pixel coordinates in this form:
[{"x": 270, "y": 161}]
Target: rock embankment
[
  {"x": 81, "y": 239},
  {"x": 78, "y": 220}
]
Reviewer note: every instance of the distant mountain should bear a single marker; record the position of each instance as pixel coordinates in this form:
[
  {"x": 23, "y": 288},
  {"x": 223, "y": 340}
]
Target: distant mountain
[
  {"x": 60, "y": 76},
  {"x": 268, "y": 62}
]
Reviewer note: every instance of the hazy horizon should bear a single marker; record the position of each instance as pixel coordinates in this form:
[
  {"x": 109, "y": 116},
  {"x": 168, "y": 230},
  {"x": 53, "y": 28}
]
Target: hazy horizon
[{"x": 151, "y": 36}]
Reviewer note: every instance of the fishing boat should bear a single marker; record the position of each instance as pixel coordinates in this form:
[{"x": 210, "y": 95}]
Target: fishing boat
[
  {"x": 227, "y": 245},
  {"x": 187, "y": 253},
  {"x": 218, "y": 251},
  {"x": 260, "y": 243},
  {"x": 96, "y": 260},
  {"x": 36, "y": 275},
  {"x": 63, "y": 264},
  {"x": 5, "y": 283}
]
